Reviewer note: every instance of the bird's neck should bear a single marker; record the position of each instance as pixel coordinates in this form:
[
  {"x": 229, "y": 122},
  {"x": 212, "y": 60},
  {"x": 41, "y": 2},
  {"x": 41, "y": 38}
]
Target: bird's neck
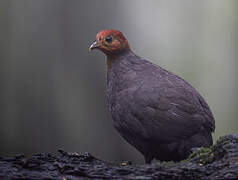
[
  {"x": 119, "y": 66},
  {"x": 117, "y": 70},
  {"x": 116, "y": 58}
]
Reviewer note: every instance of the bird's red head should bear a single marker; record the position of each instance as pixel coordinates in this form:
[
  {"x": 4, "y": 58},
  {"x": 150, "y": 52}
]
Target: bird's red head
[{"x": 110, "y": 42}]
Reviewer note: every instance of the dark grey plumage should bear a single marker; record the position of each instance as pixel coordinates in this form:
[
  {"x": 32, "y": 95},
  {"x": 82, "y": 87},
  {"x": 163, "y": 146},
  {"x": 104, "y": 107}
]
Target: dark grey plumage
[{"x": 156, "y": 111}]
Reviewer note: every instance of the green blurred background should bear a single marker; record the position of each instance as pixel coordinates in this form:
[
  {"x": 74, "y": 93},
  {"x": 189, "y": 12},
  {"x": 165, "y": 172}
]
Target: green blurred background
[{"x": 52, "y": 90}]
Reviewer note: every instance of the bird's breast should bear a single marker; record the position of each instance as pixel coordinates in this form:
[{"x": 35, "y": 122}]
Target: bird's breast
[{"x": 117, "y": 81}]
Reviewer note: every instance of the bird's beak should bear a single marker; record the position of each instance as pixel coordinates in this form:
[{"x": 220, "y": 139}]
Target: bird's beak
[{"x": 94, "y": 45}]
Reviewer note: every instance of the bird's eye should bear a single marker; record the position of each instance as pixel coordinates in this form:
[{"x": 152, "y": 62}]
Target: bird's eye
[{"x": 108, "y": 39}]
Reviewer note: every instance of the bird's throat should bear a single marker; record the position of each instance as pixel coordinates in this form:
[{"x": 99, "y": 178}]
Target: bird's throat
[
  {"x": 111, "y": 58},
  {"x": 109, "y": 64}
]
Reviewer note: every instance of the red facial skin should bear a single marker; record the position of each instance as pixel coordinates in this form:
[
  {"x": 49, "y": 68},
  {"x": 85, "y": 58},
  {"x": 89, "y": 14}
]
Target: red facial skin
[{"x": 118, "y": 44}]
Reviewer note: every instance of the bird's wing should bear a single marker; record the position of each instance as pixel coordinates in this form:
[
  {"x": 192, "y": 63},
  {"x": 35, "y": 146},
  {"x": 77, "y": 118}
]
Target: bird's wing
[{"x": 170, "y": 109}]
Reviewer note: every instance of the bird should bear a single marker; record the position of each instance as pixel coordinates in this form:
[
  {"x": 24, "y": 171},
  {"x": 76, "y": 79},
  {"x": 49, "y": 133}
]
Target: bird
[{"x": 154, "y": 110}]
